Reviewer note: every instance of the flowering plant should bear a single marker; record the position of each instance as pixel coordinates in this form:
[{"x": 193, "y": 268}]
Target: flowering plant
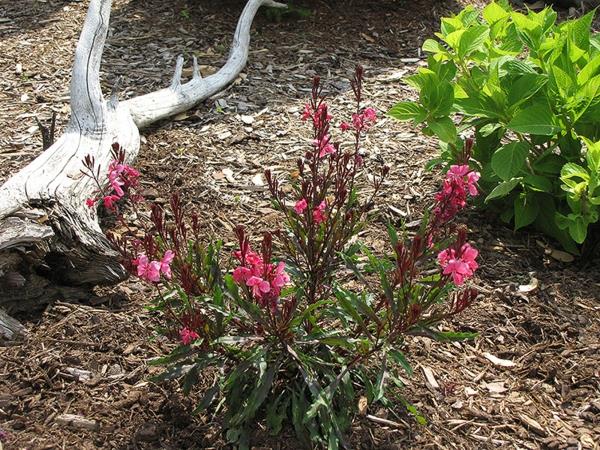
[{"x": 293, "y": 337}]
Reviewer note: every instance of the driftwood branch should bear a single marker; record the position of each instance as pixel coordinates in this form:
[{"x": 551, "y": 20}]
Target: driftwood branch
[{"x": 51, "y": 245}]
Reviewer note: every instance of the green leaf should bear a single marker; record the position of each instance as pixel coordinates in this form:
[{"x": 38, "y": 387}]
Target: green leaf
[
  {"x": 208, "y": 398},
  {"x": 572, "y": 170},
  {"x": 538, "y": 183},
  {"x": 509, "y": 159},
  {"x": 444, "y": 129},
  {"x": 408, "y": 111},
  {"x": 493, "y": 12},
  {"x": 524, "y": 87},
  {"x": 578, "y": 229},
  {"x": 503, "y": 189},
  {"x": 433, "y": 46},
  {"x": 399, "y": 358},
  {"x": 526, "y": 211},
  {"x": 591, "y": 69},
  {"x": 472, "y": 39},
  {"x": 536, "y": 119}
]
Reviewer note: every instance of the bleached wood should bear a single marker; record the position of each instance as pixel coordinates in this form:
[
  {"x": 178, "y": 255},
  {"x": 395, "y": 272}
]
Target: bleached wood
[
  {"x": 164, "y": 103},
  {"x": 51, "y": 245}
]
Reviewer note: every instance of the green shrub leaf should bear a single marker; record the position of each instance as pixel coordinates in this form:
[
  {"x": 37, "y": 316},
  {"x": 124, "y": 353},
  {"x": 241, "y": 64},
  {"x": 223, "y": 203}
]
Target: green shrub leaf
[
  {"x": 536, "y": 119},
  {"x": 509, "y": 159},
  {"x": 503, "y": 189},
  {"x": 526, "y": 211}
]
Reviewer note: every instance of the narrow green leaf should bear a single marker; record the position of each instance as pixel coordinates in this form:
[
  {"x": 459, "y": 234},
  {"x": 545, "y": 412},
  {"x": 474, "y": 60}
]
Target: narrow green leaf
[
  {"x": 208, "y": 398},
  {"x": 399, "y": 358}
]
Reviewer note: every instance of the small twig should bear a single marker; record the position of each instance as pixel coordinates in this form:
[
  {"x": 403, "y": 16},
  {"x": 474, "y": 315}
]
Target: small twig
[{"x": 383, "y": 421}]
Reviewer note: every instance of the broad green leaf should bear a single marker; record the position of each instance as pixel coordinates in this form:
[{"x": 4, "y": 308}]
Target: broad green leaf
[
  {"x": 493, "y": 12},
  {"x": 472, "y": 39},
  {"x": 593, "y": 154},
  {"x": 503, "y": 189},
  {"x": 433, "y": 46},
  {"x": 572, "y": 170},
  {"x": 538, "y": 183},
  {"x": 444, "y": 129},
  {"x": 591, "y": 69},
  {"x": 578, "y": 229},
  {"x": 524, "y": 87},
  {"x": 509, "y": 159},
  {"x": 549, "y": 163},
  {"x": 579, "y": 31},
  {"x": 526, "y": 211},
  {"x": 407, "y": 111},
  {"x": 535, "y": 119}
]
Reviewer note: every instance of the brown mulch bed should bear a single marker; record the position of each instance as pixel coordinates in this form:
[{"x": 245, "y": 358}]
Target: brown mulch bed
[{"x": 530, "y": 380}]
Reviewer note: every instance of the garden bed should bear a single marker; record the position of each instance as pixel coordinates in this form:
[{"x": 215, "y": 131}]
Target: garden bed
[{"x": 531, "y": 379}]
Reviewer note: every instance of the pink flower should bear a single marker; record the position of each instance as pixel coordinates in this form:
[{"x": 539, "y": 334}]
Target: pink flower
[
  {"x": 472, "y": 178},
  {"x": 241, "y": 275},
  {"x": 165, "y": 264},
  {"x": 188, "y": 336},
  {"x": 324, "y": 146},
  {"x": 460, "y": 266},
  {"x": 148, "y": 270},
  {"x": 281, "y": 277},
  {"x": 307, "y": 113},
  {"x": 300, "y": 206},
  {"x": 370, "y": 115},
  {"x": 345, "y": 126},
  {"x": 90, "y": 202},
  {"x": 357, "y": 121},
  {"x": 319, "y": 213},
  {"x": 109, "y": 202},
  {"x": 258, "y": 285},
  {"x": 460, "y": 181}
]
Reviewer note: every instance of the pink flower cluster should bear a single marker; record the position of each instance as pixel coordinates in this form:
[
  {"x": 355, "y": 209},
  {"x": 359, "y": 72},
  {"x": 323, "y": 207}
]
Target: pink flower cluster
[
  {"x": 459, "y": 264},
  {"x": 188, "y": 336},
  {"x": 460, "y": 181},
  {"x": 120, "y": 176},
  {"x": 361, "y": 121},
  {"x": 324, "y": 146},
  {"x": 319, "y": 215},
  {"x": 319, "y": 116},
  {"x": 265, "y": 280},
  {"x": 151, "y": 270}
]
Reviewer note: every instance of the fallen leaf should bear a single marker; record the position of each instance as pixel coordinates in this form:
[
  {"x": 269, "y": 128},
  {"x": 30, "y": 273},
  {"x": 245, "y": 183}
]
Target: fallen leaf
[
  {"x": 496, "y": 387},
  {"x": 430, "y": 377},
  {"x": 248, "y": 120},
  {"x": 257, "y": 180},
  {"x": 470, "y": 392},
  {"x": 229, "y": 175},
  {"x": 362, "y": 405},
  {"x": 561, "y": 256},
  {"x": 532, "y": 424},
  {"x": 532, "y": 286},
  {"x": 497, "y": 361},
  {"x": 224, "y": 135}
]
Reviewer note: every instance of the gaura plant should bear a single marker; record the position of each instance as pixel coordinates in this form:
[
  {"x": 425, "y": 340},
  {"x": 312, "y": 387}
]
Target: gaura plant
[
  {"x": 529, "y": 88},
  {"x": 295, "y": 328}
]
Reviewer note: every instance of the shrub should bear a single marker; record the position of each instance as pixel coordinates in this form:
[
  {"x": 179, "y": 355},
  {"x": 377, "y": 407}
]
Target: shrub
[
  {"x": 289, "y": 335},
  {"x": 529, "y": 88}
]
